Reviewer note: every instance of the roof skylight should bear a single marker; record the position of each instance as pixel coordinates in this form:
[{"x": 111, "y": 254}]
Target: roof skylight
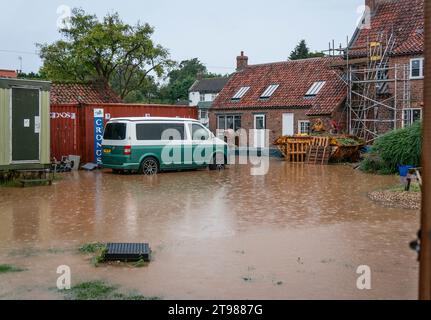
[
  {"x": 269, "y": 91},
  {"x": 315, "y": 89},
  {"x": 241, "y": 93}
]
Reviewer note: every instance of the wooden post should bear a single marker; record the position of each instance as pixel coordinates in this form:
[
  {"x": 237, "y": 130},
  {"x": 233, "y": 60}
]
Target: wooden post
[{"x": 425, "y": 256}]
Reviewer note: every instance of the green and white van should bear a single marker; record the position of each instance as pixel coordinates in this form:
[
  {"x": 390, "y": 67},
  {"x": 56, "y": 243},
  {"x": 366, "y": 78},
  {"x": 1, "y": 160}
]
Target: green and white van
[{"x": 151, "y": 145}]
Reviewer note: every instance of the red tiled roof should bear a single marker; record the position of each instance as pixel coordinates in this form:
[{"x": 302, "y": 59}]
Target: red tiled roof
[
  {"x": 8, "y": 73},
  {"x": 405, "y": 18},
  {"x": 294, "y": 78},
  {"x": 74, "y": 93}
]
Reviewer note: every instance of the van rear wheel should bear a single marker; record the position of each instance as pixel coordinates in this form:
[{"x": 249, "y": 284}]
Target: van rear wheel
[{"x": 149, "y": 167}]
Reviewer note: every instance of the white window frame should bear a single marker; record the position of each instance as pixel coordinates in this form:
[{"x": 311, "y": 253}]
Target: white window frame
[
  {"x": 315, "y": 89},
  {"x": 202, "y": 97},
  {"x": 269, "y": 91},
  {"x": 240, "y": 93},
  {"x": 421, "y": 68},
  {"x": 200, "y": 114},
  {"x": 411, "y": 110},
  {"x": 234, "y": 118},
  {"x": 300, "y": 122}
]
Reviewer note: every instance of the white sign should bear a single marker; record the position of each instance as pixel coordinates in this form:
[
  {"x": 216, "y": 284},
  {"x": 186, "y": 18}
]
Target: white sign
[
  {"x": 26, "y": 123},
  {"x": 37, "y": 124},
  {"x": 98, "y": 113},
  {"x": 107, "y": 116}
]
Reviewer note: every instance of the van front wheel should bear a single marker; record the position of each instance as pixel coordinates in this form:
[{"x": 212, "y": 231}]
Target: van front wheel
[
  {"x": 149, "y": 166},
  {"x": 219, "y": 162}
]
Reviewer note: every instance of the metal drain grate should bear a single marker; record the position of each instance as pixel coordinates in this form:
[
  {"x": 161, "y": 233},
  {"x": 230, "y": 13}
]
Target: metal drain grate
[{"x": 128, "y": 252}]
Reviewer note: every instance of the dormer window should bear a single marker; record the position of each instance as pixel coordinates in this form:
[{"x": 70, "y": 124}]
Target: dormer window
[
  {"x": 241, "y": 93},
  {"x": 315, "y": 89},
  {"x": 269, "y": 91}
]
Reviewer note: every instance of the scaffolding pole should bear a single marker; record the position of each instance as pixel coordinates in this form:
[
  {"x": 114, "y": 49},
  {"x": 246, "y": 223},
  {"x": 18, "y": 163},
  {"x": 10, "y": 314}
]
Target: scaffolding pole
[{"x": 377, "y": 92}]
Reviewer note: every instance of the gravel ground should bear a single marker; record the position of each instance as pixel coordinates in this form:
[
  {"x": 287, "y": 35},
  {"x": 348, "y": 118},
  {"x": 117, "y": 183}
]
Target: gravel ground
[{"x": 398, "y": 199}]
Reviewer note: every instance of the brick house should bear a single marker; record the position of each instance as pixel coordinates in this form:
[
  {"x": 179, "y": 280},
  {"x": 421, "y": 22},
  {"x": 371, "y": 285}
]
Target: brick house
[
  {"x": 390, "y": 44},
  {"x": 283, "y": 97}
]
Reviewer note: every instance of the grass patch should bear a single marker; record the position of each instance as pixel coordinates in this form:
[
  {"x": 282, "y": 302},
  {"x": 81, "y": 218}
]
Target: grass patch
[
  {"x": 92, "y": 248},
  {"x": 399, "y": 188},
  {"x": 10, "y": 184},
  {"x": 99, "y": 257},
  {"x": 99, "y": 290},
  {"x": 6, "y": 268},
  {"x": 98, "y": 249},
  {"x": 140, "y": 264}
]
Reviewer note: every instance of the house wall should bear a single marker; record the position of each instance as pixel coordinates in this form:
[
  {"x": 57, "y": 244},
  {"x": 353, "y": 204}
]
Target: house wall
[
  {"x": 195, "y": 98},
  {"x": 416, "y": 94},
  {"x": 417, "y": 85},
  {"x": 274, "y": 120}
]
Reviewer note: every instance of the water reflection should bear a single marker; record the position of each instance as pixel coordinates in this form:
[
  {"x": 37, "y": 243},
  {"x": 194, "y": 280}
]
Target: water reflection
[{"x": 307, "y": 226}]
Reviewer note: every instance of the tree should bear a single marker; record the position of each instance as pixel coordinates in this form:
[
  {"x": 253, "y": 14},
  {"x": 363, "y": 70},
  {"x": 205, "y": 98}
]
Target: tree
[
  {"x": 182, "y": 78},
  {"x": 302, "y": 51},
  {"x": 110, "y": 50},
  {"x": 30, "y": 76}
]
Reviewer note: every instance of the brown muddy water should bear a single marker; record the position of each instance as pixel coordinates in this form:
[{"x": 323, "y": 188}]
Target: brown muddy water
[{"x": 299, "y": 232}]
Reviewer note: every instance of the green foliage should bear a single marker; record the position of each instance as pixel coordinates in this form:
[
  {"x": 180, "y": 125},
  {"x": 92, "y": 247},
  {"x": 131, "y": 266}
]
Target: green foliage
[
  {"x": 374, "y": 164},
  {"x": 302, "y": 51},
  {"x": 100, "y": 256},
  {"x": 99, "y": 290},
  {"x": 398, "y": 147},
  {"x": 92, "y": 248},
  {"x": 31, "y": 76},
  {"x": 6, "y": 268},
  {"x": 181, "y": 78},
  {"x": 110, "y": 50},
  {"x": 140, "y": 264},
  {"x": 348, "y": 142}
]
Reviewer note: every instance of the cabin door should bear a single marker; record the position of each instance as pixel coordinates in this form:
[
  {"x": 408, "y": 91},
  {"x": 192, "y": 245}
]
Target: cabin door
[{"x": 25, "y": 122}]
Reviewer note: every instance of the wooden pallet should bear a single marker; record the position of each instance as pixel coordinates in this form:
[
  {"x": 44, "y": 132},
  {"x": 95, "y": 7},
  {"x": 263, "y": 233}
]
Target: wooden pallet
[
  {"x": 297, "y": 151},
  {"x": 319, "y": 151}
]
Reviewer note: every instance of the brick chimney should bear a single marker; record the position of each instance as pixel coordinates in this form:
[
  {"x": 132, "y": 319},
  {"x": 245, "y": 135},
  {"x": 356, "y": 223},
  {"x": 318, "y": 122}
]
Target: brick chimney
[{"x": 241, "y": 62}]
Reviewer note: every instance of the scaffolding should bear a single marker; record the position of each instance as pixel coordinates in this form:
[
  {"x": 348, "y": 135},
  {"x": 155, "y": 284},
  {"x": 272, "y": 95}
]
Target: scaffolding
[{"x": 378, "y": 92}]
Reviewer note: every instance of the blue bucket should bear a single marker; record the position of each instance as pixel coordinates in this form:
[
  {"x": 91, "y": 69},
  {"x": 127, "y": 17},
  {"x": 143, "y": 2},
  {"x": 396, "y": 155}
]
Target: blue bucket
[{"x": 404, "y": 170}]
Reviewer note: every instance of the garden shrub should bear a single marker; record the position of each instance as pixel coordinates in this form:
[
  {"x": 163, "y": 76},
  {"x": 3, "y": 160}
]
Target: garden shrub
[{"x": 398, "y": 147}]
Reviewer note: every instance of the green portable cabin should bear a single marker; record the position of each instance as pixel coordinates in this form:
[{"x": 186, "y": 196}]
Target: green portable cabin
[{"x": 24, "y": 124}]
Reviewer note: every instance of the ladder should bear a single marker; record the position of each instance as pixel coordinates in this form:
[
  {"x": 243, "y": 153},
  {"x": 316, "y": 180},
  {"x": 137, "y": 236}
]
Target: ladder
[{"x": 319, "y": 152}]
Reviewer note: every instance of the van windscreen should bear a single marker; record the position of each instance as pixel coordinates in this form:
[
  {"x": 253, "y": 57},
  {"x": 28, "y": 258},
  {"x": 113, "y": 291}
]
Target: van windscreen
[{"x": 115, "y": 131}]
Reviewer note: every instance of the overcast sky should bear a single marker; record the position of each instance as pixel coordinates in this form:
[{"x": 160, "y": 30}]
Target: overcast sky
[{"x": 213, "y": 31}]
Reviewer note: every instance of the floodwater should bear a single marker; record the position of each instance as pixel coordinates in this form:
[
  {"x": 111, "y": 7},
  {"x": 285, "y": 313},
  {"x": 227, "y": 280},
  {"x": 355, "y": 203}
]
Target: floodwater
[{"x": 299, "y": 232}]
